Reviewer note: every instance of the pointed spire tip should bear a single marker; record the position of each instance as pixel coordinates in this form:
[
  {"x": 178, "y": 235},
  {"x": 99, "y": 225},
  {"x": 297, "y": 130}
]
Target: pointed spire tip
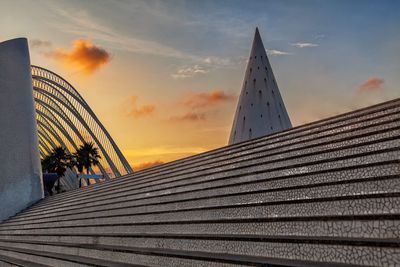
[{"x": 257, "y": 34}]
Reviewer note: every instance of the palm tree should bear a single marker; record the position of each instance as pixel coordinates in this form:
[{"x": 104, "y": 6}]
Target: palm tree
[
  {"x": 86, "y": 156},
  {"x": 57, "y": 161},
  {"x": 48, "y": 163}
]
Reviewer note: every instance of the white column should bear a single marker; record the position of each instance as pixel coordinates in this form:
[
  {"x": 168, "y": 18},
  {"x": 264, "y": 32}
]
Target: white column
[{"x": 20, "y": 170}]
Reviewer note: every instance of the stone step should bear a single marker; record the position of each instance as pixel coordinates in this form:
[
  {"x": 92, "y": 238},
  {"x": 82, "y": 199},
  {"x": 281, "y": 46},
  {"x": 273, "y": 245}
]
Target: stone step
[
  {"x": 248, "y": 150},
  {"x": 8, "y": 261},
  {"x": 297, "y": 171},
  {"x": 370, "y": 225},
  {"x": 360, "y": 187},
  {"x": 317, "y": 172},
  {"x": 387, "y": 203},
  {"x": 50, "y": 258},
  {"x": 187, "y": 251},
  {"x": 273, "y": 182},
  {"x": 305, "y": 155},
  {"x": 152, "y": 258},
  {"x": 364, "y": 226},
  {"x": 6, "y": 264},
  {"x": 175, "y": 182}
]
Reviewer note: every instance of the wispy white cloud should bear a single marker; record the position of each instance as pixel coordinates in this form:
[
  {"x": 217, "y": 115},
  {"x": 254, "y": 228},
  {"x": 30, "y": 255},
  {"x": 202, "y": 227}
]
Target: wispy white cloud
[
  {"x": 319, "y": 36},
  {"x": 206, "y": 65},
  {"x": 274, "y": 52},
  {"x": 304, "y": 45},
  {"x": 217, "y": 61},
  {"x": 81, "y": 24},
  {"x": 187, "y": 72}
]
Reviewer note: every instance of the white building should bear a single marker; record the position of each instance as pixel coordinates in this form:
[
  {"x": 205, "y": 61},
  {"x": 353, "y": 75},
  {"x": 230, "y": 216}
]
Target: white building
[{"x": 260, "y": 110}]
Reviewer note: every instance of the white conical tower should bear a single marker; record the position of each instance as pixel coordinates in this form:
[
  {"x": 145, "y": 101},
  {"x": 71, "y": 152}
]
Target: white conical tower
[{"x": 260, "y": 110}]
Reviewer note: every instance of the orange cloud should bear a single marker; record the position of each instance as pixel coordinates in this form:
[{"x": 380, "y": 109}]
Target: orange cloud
[
  {"x": 84, "y": 56},
  {"x": 206, "y": 99},
  {"x": 145, "y": 165},
  {"x": 372, "y": 84},
  {"x": 136, "y": 111},
  {"x": 190, "y": 116}
]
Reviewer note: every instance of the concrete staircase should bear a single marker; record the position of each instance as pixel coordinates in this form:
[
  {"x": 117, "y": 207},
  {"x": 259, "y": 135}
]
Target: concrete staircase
[{"x": 322, "y": 194}]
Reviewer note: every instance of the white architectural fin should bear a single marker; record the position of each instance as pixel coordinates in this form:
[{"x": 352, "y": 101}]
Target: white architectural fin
[{"x": 260, "y": 110}]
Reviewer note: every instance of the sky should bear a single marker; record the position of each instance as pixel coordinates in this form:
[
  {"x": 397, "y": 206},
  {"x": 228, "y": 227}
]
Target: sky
[{"x": 164, "y": 76}]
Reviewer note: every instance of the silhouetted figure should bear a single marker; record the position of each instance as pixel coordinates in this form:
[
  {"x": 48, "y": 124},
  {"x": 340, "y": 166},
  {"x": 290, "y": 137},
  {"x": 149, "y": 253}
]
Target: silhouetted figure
[{"x": 49, "y": 179}]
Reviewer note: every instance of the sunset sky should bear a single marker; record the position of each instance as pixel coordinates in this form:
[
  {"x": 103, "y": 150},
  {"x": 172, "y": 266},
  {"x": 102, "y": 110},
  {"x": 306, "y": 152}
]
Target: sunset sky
[{"x": 164, "y": 76}]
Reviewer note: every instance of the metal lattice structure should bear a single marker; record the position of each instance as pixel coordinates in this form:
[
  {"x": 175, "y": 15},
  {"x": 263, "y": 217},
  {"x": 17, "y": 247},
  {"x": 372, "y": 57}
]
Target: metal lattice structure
[{"x": 65, "y": 119}]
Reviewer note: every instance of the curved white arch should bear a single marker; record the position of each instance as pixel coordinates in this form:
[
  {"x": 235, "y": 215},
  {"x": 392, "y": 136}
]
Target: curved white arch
[
  {"x": 65, "y": 119},
  {"x": 86, "y": 127}
]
